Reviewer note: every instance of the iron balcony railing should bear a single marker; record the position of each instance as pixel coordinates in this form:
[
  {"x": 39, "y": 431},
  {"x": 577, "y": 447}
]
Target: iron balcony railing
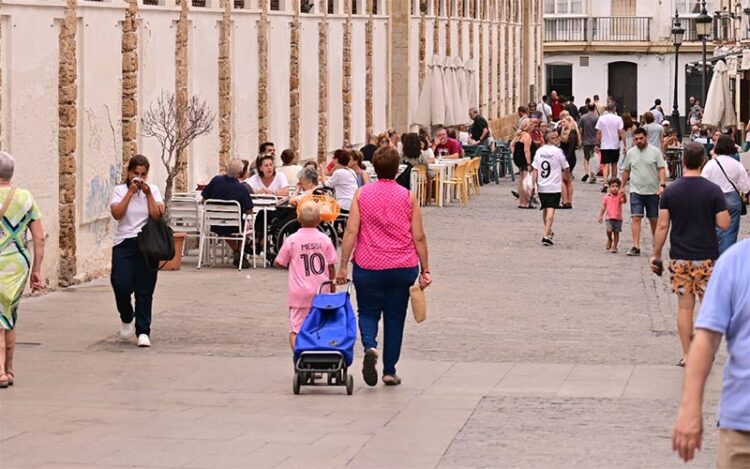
[{"x": 598, "y": 29}]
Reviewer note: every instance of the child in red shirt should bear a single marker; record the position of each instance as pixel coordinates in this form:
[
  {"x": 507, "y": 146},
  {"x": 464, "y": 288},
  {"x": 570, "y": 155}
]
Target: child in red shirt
[{"x": 612, "y": 208}]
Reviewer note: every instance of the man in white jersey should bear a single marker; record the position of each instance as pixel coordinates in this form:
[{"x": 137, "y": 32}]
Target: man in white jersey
[
  {"x": 609, "y": 135},
  {"x": 549, "y": 166}
]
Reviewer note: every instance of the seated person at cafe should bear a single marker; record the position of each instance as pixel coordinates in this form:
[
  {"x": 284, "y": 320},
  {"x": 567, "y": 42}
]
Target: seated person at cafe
[
  {"x": 290, "y": 168},
  {"x": 445, "y": 147},
  {"x": 229, "y": 187},
  {"x": 343, "y": 180},
  {"x": 308, "y": 182},
  {"x": 267, "y": 180}
]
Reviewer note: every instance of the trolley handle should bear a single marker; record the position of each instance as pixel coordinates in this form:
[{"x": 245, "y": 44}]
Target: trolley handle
[{"x": 333, "y": 286}]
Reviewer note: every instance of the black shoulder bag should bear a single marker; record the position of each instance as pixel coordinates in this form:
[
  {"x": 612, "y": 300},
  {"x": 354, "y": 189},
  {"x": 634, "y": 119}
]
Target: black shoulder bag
[
  {"x": 156, "y": 242},
  {"x": 743, "y": 211}
]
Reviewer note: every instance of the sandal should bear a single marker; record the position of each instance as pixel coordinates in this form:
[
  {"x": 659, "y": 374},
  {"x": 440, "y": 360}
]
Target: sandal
[
  {"x": 681, "y": 362},
  {"x": 4, "y": 381},
  {"x": 391, "y": 380},
  {"x": 11, "y": 377}
]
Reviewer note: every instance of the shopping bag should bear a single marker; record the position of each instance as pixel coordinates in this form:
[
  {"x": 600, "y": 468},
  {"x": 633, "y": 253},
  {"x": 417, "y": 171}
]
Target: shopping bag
[
  {"x": 418, "y": 303},
  {"x": 156, "y": 242}
]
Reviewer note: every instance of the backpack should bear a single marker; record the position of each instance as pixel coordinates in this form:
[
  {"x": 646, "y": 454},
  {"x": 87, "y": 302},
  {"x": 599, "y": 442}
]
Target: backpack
[{"x": 156, "y": 242}]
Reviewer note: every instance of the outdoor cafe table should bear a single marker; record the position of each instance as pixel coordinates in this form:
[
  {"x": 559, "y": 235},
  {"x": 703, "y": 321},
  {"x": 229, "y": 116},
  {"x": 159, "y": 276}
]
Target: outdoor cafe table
[{"x": 450, "y": 173}]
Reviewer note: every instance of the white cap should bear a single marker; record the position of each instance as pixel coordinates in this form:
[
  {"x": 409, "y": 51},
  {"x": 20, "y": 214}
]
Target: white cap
[{"x": 665, "y": 122}]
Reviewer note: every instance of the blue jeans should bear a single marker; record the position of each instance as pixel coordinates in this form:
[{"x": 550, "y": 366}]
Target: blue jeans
[
  {"x": 729, "y": 236},
  {"x": 131, "y": 277},
  {"x": 383, "y": 292}
]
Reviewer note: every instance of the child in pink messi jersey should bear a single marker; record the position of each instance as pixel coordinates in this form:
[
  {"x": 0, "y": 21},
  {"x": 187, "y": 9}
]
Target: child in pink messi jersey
[
  {"x": 311, "y": 259},
  {"x": 612, "y": 208}
]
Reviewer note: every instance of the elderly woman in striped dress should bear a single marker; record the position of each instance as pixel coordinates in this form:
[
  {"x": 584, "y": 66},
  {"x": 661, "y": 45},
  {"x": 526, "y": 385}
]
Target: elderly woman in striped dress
[{"x": 18, "y": 212}]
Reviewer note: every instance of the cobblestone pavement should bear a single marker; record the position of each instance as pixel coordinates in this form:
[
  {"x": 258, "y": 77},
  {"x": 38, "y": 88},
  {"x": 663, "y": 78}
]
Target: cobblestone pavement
[{"x": 532, "y": 357}]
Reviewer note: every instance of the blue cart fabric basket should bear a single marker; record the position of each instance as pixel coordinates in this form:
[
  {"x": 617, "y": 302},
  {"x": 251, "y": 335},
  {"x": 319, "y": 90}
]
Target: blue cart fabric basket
[{"x": 330, "y": 327}]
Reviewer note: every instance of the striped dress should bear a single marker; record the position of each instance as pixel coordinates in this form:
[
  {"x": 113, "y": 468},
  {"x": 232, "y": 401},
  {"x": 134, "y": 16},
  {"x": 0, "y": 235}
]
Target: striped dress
[{"x": 15, "y": 259}]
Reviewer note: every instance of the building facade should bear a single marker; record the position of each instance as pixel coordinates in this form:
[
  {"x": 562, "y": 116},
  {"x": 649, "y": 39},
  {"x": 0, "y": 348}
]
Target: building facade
[
  {"x": 77, "y": 76},
  {"x": 623, "y": 48}
]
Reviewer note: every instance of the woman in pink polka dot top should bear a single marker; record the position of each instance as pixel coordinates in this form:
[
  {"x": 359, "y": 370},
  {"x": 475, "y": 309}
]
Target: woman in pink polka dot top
[{"x": 386, "y": 236}]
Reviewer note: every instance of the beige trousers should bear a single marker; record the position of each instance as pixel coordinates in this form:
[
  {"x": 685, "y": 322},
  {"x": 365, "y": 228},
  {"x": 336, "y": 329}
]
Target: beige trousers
[{"x": 734, "y": 450}]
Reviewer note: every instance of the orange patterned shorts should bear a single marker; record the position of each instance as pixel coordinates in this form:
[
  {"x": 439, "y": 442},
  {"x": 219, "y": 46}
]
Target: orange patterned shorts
[{"x": 690, "y": 277}]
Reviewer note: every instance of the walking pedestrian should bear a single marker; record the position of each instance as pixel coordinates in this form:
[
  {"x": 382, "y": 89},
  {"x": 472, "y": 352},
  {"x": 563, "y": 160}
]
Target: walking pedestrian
[
  {"x": 600, "y": 107},
  {"x": 132, "y": 204},
  {"x": 657, "y": 111},
  {"x": 609, "y": 135},
  {"x": 544, "y": 109},
  {"x": 480, "y": 129},
  {"x": 729, "y": 174},
  {"x": 694, "y": 207},
  {"x": 523, "y": 148},
  {"x": 569, "y": 143},
  {"x": 644, "y": 169},
  {"x": 612, "y": 209},
  {"x": 549, "y": 168},
  {"x": 628, "y": 127},
  {"x": 725, "y": 310},
  {"x": 19, "y": 212},
  {"x": 588, "y": 135},
  {"x": 385, "y": 225}
]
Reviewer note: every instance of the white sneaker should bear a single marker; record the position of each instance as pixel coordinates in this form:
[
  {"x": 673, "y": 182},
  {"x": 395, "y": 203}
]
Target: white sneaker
[
  {"x": 144, "y": 341},
  {"x": 126, "y": 330}
]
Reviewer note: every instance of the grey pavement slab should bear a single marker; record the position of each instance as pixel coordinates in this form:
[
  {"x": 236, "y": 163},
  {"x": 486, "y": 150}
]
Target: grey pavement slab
[{"x": 531, "y": 358}]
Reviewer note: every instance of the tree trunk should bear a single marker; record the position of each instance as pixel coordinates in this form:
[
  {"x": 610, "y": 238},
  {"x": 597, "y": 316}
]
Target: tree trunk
[{"x": 168, "y": 194}]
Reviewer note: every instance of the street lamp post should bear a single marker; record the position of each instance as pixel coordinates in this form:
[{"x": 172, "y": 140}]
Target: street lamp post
[
  {"x": 703, "y": 29},
  {"x": 678, "y": 32}
]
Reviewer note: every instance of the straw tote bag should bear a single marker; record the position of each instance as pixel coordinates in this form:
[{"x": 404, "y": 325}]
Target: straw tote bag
[{"x": 418, "y": 303}]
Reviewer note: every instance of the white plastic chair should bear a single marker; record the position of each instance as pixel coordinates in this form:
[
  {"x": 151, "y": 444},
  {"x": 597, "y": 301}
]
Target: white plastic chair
[
  {"x": 225, "y": 214},
  {"x": 264, "y": 203},
  {"x": 184, "y": 216}
]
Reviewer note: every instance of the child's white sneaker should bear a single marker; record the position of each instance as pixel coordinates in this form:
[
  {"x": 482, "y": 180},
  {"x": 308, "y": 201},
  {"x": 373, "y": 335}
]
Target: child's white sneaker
[
  {"x": 126, "y": 330},
  {"x": 144, "y": 341}
]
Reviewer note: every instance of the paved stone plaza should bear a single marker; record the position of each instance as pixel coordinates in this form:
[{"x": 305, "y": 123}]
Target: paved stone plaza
[{"x": 532, "y": 357}]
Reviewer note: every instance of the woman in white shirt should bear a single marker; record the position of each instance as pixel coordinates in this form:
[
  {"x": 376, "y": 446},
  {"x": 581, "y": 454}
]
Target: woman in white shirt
[
  {"x": 730, "y": 175},
  {"x": 342, "y": 180},
  {"x": 132, "y": 204},
  {"x": 267, "y": 180},
  {"x": 290, "y": 169}
]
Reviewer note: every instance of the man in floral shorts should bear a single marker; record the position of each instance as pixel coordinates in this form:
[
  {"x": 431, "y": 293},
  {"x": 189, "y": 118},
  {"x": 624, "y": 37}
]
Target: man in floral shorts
[{"x": 694, "y": 207}]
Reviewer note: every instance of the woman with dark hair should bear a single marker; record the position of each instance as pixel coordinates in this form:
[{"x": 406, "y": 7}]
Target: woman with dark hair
[
  {"x": 245, "y": 175},
  {"x": 290, "y": 167},
  {"x": 132, "y": 204},
  {"x": 343, "y": 180},
  {"x": 357, "y": 165},
  {"x": 569, "y": 143},
  {"x": 267, "y": 180},
  {"x": 730, "y": 175},
  {"x": 386, "y": 236},
  {"x": 412, "y": 157}
]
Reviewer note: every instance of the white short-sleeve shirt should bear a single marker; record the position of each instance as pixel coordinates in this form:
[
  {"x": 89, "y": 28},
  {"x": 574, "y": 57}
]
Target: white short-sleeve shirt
[
  {"x": 279, "y": 182},
  {"x": 610, "y": 125},
  {"x": 550, "y": 162},
  {"x": 344, "y": 182},
  {"x": 136, "y": 215}
]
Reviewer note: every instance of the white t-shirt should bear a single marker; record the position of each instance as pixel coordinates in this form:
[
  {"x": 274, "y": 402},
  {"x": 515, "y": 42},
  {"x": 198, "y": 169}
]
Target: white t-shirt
[
  {"x": 136, "y": 214},
  {"x": 344, "y": 182},
  {"x": 279, "y": 182},
  {"x": 545, "y": 109},
  {"x": 610, "y": 125},
  {"x": 550, "y": 162},
  {"x": 735, "y": 171},
  {"x": 291, "y": 172}
]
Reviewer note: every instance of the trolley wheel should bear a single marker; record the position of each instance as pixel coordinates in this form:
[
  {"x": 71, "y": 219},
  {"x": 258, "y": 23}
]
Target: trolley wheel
[
  {"x": 296, "y": 382},
  {"x": 349, "y": 385},
  {"x": 330, "y": 379}
]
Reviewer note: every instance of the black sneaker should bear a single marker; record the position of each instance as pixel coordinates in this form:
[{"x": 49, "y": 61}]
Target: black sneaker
[
  {"x": 604, "y": 189},
  {"x": 547, "y": 241},
  {"x": 515, "y": 194},
  {"x": 585, "y": 178},
  {"x": 369, "y": 373},
  {"x": 236, "y": 259},
  {"x": 634, "y": 252}
]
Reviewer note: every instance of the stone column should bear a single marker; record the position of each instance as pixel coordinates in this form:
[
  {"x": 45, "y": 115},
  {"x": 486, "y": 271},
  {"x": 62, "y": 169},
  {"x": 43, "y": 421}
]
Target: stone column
[
  {"x": 263, "y": 74},
  {"x": 130, "y": 66},
  {"x": 294, "y": 72},
  {"x": 369, "y": 45},
  {"x": 471, "y": 29},
  {"x": 461, "y": 29},
  {"x": 323, "y": 87},
  {"x": 448, "y": 45},
  {"x": 525, "y": 51},
  {"x": 225, "y": 85},
  {"x": 67, "y": 139},
  {"x": 347, "y": 78},
  {"x": 436, "y": 28},
  {"x": 399, "y": 62},
  {"x": 422, "y": 49},
  {"x": 181, "y": 92},
  {"x": 480, "y": 14}
]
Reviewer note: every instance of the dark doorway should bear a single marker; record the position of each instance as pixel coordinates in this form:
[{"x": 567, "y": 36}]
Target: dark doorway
[
  {"x": 560, "y": 79},
  {"x": 623, "y": 86}
]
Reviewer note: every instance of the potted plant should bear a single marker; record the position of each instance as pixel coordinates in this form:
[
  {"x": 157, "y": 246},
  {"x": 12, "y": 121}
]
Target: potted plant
[{"x": 175, "y": 127}]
